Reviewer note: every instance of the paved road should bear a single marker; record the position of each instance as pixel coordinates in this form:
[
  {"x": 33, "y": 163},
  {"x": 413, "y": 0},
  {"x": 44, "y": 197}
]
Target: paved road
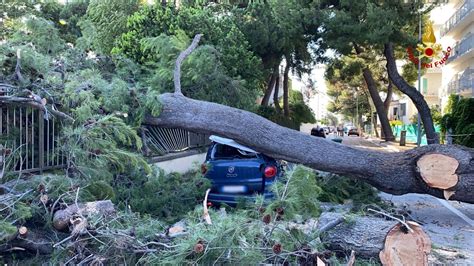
[{"x": 449, "y": 224}]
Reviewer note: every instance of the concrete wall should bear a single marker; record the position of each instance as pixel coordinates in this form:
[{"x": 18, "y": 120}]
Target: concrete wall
[{"x": 183, "y": 164}]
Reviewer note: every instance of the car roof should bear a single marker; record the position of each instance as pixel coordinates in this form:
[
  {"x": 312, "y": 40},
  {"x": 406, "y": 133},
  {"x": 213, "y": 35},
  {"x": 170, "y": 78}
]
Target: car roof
[{"x": 231, "y": 142}]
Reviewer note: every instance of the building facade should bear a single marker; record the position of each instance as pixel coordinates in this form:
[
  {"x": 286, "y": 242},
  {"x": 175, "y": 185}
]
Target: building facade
[
  {"x": 458, "y": 73},
  {"x": 453, "y": 25}
]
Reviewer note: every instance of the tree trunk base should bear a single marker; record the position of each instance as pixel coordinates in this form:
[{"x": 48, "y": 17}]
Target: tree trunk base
[{"x": 373, "y": 237}]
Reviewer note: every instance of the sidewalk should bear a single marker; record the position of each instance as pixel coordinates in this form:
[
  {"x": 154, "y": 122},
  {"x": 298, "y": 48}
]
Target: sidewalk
[{"x": 391, "y": 145}]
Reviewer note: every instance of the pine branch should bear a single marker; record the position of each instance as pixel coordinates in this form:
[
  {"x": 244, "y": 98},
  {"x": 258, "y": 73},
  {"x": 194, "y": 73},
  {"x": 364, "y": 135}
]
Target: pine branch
[
  {"x": 30, "y": 101},
  {"x": 179, "y": 61}
]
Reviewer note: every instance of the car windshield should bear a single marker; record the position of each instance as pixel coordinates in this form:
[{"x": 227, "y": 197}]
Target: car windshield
[{"x": 224, "y": 151}]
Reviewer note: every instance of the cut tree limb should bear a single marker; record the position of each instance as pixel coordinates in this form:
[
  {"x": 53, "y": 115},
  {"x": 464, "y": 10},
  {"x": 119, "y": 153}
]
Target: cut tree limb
[
  {"x": 372, "y": 237},
  {"x": 406, "y": 248},
  {"x": 63, "y": 218},
  {"x": 33, "y": 241}
]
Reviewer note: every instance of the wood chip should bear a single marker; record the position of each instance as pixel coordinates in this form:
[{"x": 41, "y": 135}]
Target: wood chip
[
  {"x": 206, "y": 215},
  {"x": 175, "y": 230},
  {"x": 23, "y": 230},
  {"x": 320, "y": 262},
  {"x": 438, "y": 170},
  {"x": 44, "y": 198},
  {"x": 406, "y": 248},
  {"x": 352, "y": 259},
  {"x": 448, "y": 193}
]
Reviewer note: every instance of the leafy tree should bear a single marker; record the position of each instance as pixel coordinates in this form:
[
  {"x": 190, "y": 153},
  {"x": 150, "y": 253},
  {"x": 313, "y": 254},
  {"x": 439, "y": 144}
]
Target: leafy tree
[
  {"x": 280, "y": 30},
  {"x": 108, "y": 19},
  {"x": 345, "y": 81},
  {"x": 156, "y": 34}
]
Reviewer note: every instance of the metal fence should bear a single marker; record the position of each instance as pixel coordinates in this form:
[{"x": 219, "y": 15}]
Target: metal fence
[
  {"x": 464, "y": 46},
  {"x": 463, "y": 83},
  {"x": 161, "y": 141},
  {"x": 33, "y": 141}
]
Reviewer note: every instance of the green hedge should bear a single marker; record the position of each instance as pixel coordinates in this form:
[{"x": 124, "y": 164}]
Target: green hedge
[{"x": 460, "y": 119}]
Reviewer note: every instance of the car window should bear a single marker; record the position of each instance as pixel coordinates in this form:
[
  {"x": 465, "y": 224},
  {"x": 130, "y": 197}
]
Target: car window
[{"x": 223, "y": 151}]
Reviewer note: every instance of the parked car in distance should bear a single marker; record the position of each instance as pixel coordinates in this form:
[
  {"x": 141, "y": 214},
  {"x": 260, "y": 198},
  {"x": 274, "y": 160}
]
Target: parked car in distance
[
  {"x": 326, "y": 130},
  {"x": 353, "y": 131},
  {"x": 318, "y": 132},
  {"x": 238, "y": 172}
]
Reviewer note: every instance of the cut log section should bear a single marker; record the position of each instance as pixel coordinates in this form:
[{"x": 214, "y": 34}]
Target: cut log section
[
  {"x": 438, "y": 170},
  {"x": 62, "y": 218},
  {"x": 406, "y": 248},
  {"x": 374, "y": 237},
  {"x": 32, "y": 241}
]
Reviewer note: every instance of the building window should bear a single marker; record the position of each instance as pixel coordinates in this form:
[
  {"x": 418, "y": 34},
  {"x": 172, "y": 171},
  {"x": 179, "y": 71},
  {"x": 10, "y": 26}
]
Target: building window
[
  {"x": 403, "y": 109},
  {"x": 425, "y": 85}
]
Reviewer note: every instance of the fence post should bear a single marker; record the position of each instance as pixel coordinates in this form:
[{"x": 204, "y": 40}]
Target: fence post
[
  {"x": 41, "y": 140},
  {"x": 449, "y": 138}
]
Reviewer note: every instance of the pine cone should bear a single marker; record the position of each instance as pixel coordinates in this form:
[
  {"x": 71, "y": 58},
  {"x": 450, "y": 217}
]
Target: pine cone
[
  {"x": 280, "y": 211},
  {"x": 267, "y": 218},
  {"x": 276, "y": 248},
  {"x": 198, "y": 248}
]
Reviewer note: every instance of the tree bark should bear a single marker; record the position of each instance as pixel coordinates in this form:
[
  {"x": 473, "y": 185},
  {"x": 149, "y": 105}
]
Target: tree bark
[
  {"x": 388, "y": 99},
  {"x": 270, "y": 85},
  {"x": 62, "y": 218},
  {"x": 416, "y": 97},
  {"x": 33, "y": 242},
  {"x": 375, "y": 237},
  {"x": 379, "y": 105},
  {"x": 394, "y": 173},
  {"x": 276, "y": 91},
  {"x": 286, "y": 105},
  {"x": 365, "y": 235}
]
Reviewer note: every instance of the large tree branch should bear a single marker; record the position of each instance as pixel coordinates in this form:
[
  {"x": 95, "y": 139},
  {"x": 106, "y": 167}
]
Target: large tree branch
[
  {"x": 395, "y": 173},
  {"x": 439, "y": 170},
  {"x": 410, "y": 91},
  {"x": 179, "y": 61},
  {"x": 378, "y": 103}
]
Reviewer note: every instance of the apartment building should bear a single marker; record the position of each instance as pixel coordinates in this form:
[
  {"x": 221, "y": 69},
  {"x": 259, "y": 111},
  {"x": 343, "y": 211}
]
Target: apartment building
[
  {"x": 453, "y": 26},
  {"x": 458, "y": 74}
]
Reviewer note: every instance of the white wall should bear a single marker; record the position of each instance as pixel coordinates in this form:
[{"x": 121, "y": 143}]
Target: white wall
[{"x": 182, "y": 165}]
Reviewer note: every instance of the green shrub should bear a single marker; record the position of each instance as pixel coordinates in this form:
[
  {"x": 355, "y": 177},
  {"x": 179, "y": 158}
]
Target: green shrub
[
  {"x": 100, "y": 190},
  {"x": 460, "y": 119}
]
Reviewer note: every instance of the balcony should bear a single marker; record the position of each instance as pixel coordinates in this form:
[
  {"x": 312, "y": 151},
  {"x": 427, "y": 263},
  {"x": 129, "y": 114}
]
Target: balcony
[
  {"x": 462, "y": 84},
  {"x": 462, "y": 48},
  {"x": 460, "y": 14}
]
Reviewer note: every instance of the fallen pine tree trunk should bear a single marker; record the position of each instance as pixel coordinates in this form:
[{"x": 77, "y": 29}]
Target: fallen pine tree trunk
[
  {"x": 444, "y": 171},
  {"x": 391, "y": 242}
]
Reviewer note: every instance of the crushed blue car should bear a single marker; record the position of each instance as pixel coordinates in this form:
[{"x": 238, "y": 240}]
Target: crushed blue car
[{"x": 238, "y": 173}]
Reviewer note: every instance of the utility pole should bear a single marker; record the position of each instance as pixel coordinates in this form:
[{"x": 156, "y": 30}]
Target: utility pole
[
  {"x": 357, "y": 111},
  {"x": 418, "y": 139}
]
